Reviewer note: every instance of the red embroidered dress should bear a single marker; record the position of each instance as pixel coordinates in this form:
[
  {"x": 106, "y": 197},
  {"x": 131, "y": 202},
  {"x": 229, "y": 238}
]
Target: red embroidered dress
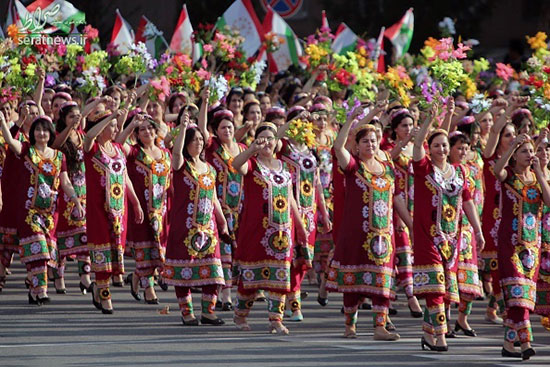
[
  {"x": 491, "y": 215},
  {"x": 151, "y": 181},
  {"x": 229, "y": 185},
  {"x": 542, "y": 306},
  {"x": 106, "y": 209},
  {"x": 436, "y": 229},
  {"x": 71, "y": 231},
  {"x": 303, "y": 170},
  {"x": 193, "y": 250},
  {"x": 265, "y": 239},
  {"x": 364, "y": 254},
  {"x": 39, "y": 182}
]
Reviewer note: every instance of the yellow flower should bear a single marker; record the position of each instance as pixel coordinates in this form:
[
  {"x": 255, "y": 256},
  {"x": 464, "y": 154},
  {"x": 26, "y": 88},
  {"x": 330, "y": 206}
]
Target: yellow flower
[
  {"x": 538, "y": 41},
  {"x": 13, "y": 33}
]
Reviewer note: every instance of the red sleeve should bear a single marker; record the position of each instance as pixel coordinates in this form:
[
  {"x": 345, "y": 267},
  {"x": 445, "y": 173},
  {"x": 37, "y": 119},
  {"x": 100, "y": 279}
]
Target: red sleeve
[
  {"x": 466, "y": 194},
  {"x": 423, "y": 166},
  {"x": 352, "y": 165},
  {"x": 25, "y": 146},
  {"x": 63, "y": 163},
  {"x": 134, "y": 149},
  {"x": 251, "y": 163}
]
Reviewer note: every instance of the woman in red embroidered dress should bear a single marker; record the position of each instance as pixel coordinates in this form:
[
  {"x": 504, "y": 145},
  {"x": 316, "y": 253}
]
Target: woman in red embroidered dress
[
  {"x": 436, "y": 235},
  {"x": 264, "y": 244},
  {"x": 363, "y": 265},
  {"x": 149, "y": 170},
  {"x": 106, "y": 216},
  {"x": 71, "y": 231},
  {"x": 523, "y": 190},
  {"x": 44, "y": 169},
  {"x": 193, "y": 250},
  {"x": 221, "y": 149}
]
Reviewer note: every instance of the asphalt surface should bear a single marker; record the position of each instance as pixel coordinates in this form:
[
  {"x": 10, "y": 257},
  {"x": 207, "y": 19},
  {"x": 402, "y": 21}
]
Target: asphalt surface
[{"x": 71, "y": 332}]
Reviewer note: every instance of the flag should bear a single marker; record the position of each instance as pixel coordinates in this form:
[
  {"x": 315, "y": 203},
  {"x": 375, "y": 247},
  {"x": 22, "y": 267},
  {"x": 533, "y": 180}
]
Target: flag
[
  {"x": 16, "y": 12},
  {"x": 149, "y": 34},
  {"x": 400, "y": 34},
  {"x": 240, "y": 16},
  {"x": 379, "y": 52},
  {"x": 182, "y": 39},
  {"x": 123, "y": 35},
  {"x": 324, "y": 22},
  {"x": 344, "y": 40},
  {"x": 289, "y": 51},
  {"x": 2, "y": 34},
  {"x": 63, "y": 13}
]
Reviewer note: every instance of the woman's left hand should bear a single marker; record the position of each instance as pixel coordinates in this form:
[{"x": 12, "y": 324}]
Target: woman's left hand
[
  {"x": 480, "y": 241},
  {"x": 222, "y": 228},
  {"x": 138, "y": 214}
]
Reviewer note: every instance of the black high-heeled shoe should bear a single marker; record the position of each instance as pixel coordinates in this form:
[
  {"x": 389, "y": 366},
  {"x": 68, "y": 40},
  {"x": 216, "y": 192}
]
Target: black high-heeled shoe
[
  {"x": 527, "y": 353},
  {"x": 96, "y": 303},
  {"x": 33, "y": 301},
  {"x": 467, "y": 332},
  {"x": 107, "y": 311},
  {"x": 44, "y": 300},
  {"x": 162, "y": 285},
  {"x": 216, "y": 322},
  {"x": 193, "y": 322},
  {"x": 83, "y": 289},
  {"x": 154, "y": 301},
  {"x": 322, "y": 301},
  {"x": 227, "y": 306},
  {"x": 507, "y": 353},
  {"x": 135, "y": 294},
  {"x": 435, "y": 348}
]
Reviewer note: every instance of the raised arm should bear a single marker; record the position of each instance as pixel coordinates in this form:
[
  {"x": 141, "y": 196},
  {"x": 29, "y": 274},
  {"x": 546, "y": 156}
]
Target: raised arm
[
  {"x": 542, "y": 181},
  {"x": 123, "y": 136},
  {"x": 39, "y": 91},
  {"x": 203, "y": 114},
  {"x": 62, "y": 137},
  {"x": 340, "y": 150},
  {"x": 502, "y": 162},
  {"x": 94, "y": 132},
  {"x": 177, "y": 150},
  {"x": 14, "y": 145},
  {"x": 446, "y": 124},
  {"x": 239, "y": 163},
  {"x": 418, "y": 148}
]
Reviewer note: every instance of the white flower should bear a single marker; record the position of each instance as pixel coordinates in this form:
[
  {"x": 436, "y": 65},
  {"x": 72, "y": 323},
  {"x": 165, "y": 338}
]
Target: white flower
[
  {"x": 44, "y": 190},
  {"x": 218, "y": 86},
  {"x": 158, "y": 190},
  {"x": 186, "y": 273},
  {"x": 367, "y": 278},
  {"x": 380, "y": 208},
  {"x": 447, "y": 25},
  {"x": 35, "y": 248},
  {"x": 205, "y": 205},
  {"x": 69, "y": 242}
]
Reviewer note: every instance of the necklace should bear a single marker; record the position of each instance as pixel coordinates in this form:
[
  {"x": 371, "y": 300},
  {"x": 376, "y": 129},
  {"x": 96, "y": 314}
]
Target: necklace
[{"x": 445, "y": 172}]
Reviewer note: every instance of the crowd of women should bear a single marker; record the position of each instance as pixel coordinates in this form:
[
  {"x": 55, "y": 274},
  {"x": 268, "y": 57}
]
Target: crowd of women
[{"x": 231, "y": 197}]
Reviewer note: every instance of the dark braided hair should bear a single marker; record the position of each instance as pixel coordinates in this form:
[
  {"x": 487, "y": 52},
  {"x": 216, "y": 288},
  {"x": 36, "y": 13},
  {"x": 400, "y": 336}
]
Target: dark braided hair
[{"x": 69, "y": 148}]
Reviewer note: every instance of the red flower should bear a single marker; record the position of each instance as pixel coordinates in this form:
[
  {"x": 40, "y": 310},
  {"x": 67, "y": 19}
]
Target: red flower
[{"x": 546, "y": 69}]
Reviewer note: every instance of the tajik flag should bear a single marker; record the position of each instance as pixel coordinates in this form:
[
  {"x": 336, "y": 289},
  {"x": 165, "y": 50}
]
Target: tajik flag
[
  {"x": 123, "y": 35},
  {"x": 16, "y": 14},
  {"x": 149, "y": 34},
  {"x": 345, "y": 40},
  {"x": 400, "y": 34},
  {"x": 289, "y": 51},
  {"x": 379, "y": 53},
  {"x": 182, "y": 40},
  {"x": 240, "y": 16},
  {"x": 60, "y": 14},
  {"x": 324, "y": 21}
]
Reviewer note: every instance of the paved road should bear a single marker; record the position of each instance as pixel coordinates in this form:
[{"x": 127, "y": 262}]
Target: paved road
[{"x": 71, "y": 332}]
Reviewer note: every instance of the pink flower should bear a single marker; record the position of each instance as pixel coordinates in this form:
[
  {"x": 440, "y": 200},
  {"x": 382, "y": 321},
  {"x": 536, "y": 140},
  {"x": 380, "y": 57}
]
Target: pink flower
[
  {"x": 91, "y": 32},
  {"x": 459, "y": 52},
  {"x": 219, "y": 37},
  {"x": 444, "y": 55},
  {"x": 444, "y": 44},
  {"x": 204, "y": 63},
  {"x": 61, "y": 49},
  {"x": 203, "y": 74},
  {"x": 208, "y": 48},
  {"x": 504, "y": 71},
  {"x": 162, "y": 86},
  {"x": 169, "y": 69}
]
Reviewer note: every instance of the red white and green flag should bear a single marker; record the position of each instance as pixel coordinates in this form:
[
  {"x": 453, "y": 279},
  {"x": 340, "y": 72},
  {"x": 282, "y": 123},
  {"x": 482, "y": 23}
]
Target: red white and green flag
[
  {"x": 123, "y": 34},
  {"x": 182, "y": 39},
  {"x": 324, "y": 21},
  {"x": 149, "y": 34},
  {"x": 344, "y": 40},
  {"x": 289, "y": 51},
  {"x": 240, "y": 16},
  {"x": 378, "y": 56},
  {"x": 59, "y": 14},
  {"x": 400, "y": 34},
  {"x": 16, "y": 12}
]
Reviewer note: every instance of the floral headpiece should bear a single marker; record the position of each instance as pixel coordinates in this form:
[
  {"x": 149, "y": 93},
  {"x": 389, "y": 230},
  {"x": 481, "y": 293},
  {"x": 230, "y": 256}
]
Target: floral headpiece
[
  {"x": 455, "y": 133},
  {"x": 399, "y": 111},
  {"x": 63, "y": 95},
  {"x": 318, "y": 107},
  {"x": 466, "y": 120},
  {"x": 368, "y": 127},
  {"x": 268, "y": 124},
  {"x": 294, "y": 109},
  {"x": 69, "y": 103},
  {"x": 102, "y": 115},
  {"x": 276, "y": 111},
  {"x": 214, "y": 106},
  {"x": 28, "y": 102},
  {"x": 191, "y": 125},
  {"x": 224, "y": 114},
  {"x": 521, "y": 111},
  {"x": 438, "y": 131},
  {"x": 43, "y": 117},
  {"x": 323, "y": 100}
]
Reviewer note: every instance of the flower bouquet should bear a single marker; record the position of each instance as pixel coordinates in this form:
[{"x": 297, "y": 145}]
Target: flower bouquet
[{"x": 301, "y": 132}]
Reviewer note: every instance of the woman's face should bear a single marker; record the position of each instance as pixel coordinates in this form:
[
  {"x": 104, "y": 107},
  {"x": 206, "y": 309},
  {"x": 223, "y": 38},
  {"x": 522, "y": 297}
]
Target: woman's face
[
  {"x": 73, "y": 114},
  {"x": 320, "y": 120},
  {"x": 155, "y": 110},
  {"x": 265, "y": 104},
  {"x": 269, "y": 148},
  {"x": 6, "y": 109},
  {"x": 147, "y": 133},
  {"x": 47, "y": 103},
  {"x": 225, "y": 131},
  {"x": 543, "y": 154},
  {"x": 41, "y": 135},
  {"x": 278, "y": 121},
  {"x": 524, "y": 155},
  {"x": 56, "y": 105},
  {"x": 179, "y": 102},
  {"x": 195, "y": 146},
  {"x": 117, "y": 97},
  {"x": 525, "y": 126},
  {"x": 439, "y": 148},
  {"x": 236, "y": 104},
  {"x": 110, "y": 131},
  {"x": 404, "y": 128},
  {"x": 415, "y": 112},
  {"x": 486, "y": 122},
  {"x": 254, "y": 114},
  {"x": 476, "y": 134},
  {"x": 458, "y": 152},
  {"x": 507, "y": 137},
  {"x": 368, "y": 145}
]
